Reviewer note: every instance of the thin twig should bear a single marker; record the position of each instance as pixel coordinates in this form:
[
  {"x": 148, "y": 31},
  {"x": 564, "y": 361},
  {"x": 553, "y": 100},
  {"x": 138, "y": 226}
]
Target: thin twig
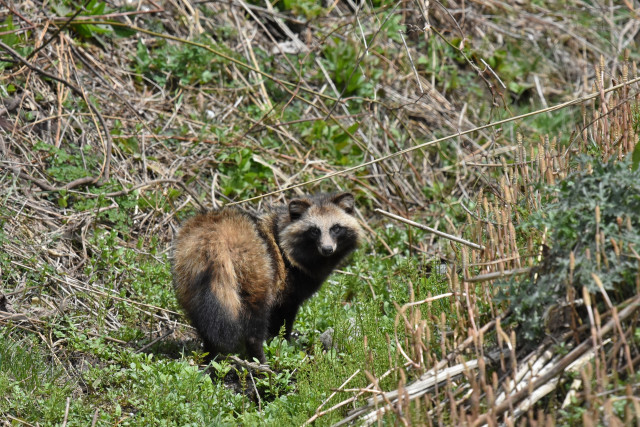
[
  {"x": 66, "y": 412},
  {"x": 413, "y": 67},
  {"x": 430, "y": 230},
  {"x": 496, "y": 275},
  {"x": 251, "y": 365},
  {"x": 160, "y": 338}
]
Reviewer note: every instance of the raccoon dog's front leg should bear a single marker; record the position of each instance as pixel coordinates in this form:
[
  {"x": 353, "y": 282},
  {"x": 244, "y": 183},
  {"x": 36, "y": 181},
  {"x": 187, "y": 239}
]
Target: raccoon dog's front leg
[
  {"x": 283, "y": 315},
  {"x": 256, "y": 333}
]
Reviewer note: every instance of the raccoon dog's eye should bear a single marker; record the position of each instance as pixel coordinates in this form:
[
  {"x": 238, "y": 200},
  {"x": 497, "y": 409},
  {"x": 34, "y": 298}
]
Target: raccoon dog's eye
[
  {"x": 337, "y": 230},
  {"x": 314, "y": 232}
]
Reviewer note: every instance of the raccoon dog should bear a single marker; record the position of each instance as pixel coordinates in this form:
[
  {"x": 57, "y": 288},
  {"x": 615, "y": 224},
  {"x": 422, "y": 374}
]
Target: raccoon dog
[{"x": 240, "y": 278}]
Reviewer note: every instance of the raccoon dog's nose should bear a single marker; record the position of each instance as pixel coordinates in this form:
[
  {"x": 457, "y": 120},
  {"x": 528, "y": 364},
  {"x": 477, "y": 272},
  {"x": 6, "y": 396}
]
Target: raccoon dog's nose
[{"x": 326, "y": 250}]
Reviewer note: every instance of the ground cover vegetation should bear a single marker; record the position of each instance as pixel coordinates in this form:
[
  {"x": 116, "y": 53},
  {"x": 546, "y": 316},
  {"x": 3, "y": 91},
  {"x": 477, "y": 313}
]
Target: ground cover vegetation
[{"x": 509, "y": 126}]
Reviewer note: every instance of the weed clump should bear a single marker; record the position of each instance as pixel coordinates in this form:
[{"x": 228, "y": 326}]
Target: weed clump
[{"x": 593, "y": 229}]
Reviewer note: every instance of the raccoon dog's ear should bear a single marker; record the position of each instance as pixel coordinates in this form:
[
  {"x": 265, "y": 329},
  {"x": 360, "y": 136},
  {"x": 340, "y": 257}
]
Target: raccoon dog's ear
[
  {"x": 345, "y": 201},
  {"x": 297, "y": 207}
]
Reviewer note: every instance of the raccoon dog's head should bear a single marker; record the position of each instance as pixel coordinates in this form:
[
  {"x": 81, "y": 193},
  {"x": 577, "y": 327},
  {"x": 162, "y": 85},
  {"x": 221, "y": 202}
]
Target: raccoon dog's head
[{"x": 322, "y": 226}]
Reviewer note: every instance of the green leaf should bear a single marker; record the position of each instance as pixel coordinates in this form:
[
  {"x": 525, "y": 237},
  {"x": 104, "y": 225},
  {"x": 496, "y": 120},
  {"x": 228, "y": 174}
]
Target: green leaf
[
  {"x": 7, "y": 26},
  {"x": 130, "y": 145},
  {"x": 635, "y": 157},
  {"x": 90, "y": 30},
  {"x": 61, "y": 9},
  {"x": 341, "y": 139},
  {"x": 123, "y": 32}
]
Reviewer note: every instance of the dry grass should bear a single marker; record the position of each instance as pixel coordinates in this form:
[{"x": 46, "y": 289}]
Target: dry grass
[{"x": 72, "y": 93}]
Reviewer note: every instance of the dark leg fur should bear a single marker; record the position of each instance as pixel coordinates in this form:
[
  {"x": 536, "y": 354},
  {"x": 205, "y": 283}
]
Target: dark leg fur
[
  {"x": 283, "y": 315},
  {"x": 256, "y": 331}
]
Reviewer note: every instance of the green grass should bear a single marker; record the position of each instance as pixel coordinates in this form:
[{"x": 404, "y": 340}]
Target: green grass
[{"x": 32, "y": 387}]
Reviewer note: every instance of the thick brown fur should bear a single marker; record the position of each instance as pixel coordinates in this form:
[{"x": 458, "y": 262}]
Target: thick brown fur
[{"x": 240, "y": 278}]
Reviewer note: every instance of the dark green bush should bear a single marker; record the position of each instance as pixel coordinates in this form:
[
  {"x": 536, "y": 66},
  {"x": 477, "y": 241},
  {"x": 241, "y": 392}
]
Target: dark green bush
[{"x": 613, "y": 188}]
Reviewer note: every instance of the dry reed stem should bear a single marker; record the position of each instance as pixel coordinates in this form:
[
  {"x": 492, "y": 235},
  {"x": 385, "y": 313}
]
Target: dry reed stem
[
  {"x": 431, "y": 373},
  {"x": 429, "y": 229},
  {"x": 559, "y": 367}
]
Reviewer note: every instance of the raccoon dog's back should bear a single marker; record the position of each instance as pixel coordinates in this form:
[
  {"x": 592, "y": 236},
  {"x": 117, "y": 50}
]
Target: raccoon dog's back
[{"x": 241, "y": 278}]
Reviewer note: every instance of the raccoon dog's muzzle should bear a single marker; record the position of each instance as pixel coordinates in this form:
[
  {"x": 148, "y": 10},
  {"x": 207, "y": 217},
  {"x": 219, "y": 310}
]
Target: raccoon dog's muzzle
[{"x": 326, "y": 247}]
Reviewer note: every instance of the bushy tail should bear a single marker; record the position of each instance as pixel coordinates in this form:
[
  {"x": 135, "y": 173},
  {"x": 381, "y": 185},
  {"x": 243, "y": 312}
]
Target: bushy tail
[{"x": 221, "y": 330}]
